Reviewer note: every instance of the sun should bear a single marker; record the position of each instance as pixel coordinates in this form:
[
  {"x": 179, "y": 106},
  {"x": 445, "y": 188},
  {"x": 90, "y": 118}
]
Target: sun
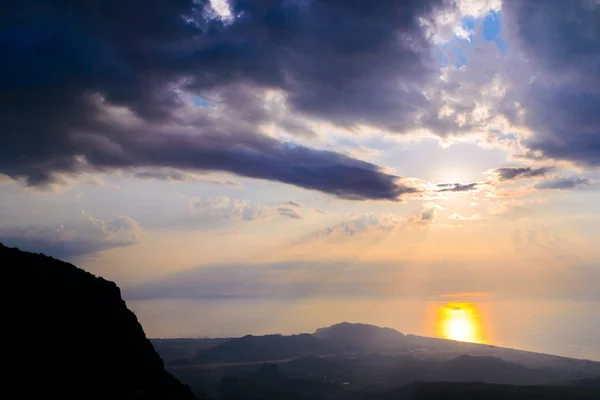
[
  {"x": 459, "y": 327},
  {"x": 459, "y": 321},
  {"x": 452, "y": 175}
]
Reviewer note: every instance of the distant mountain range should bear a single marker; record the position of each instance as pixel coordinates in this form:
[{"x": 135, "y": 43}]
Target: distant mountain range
[
  {"x": 349, "y": 359},
  {"x": 347, "y": 339}
]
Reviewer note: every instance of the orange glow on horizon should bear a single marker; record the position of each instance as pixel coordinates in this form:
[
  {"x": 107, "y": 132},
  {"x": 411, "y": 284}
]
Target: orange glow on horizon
[{"x": 460, "y": 322}]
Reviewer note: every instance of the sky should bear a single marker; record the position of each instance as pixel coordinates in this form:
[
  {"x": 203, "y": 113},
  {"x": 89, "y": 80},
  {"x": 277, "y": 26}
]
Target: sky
[{"x": 244, "y": 166}]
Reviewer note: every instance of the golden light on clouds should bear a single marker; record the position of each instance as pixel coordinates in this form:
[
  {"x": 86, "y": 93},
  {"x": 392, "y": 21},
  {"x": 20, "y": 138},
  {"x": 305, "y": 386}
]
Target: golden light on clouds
[{"x": 460, "y": 321}]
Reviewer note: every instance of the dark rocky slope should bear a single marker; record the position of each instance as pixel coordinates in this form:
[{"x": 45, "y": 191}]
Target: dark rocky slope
[{"x": 71, "y": 336}]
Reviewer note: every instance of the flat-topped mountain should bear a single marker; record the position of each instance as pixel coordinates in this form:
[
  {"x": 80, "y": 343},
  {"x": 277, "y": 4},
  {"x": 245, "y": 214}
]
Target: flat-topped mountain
[
  {"x": 344, "y": 338},
  {"x": 363, "y": 337},
  {"x": 70, "y": 335}
]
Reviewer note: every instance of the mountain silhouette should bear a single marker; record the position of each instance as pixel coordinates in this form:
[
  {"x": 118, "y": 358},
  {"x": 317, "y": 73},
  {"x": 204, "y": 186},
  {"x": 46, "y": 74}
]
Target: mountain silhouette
[
  {"x": 362, "y": 337},
  {"x": 468, "y": 368},
  {"x": 71, "y": 336},
  {"x": 336, "y": 339},
  {"x": 264, "y": 348}
]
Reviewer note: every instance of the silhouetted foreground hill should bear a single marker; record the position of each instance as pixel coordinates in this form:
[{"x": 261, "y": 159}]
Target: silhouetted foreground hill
[{"x": 71, "y": 336}]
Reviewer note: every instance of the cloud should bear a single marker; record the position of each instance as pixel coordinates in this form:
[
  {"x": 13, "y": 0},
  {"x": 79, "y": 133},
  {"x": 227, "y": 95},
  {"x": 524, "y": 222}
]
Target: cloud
[
  {"x": 5, "y": 179},
  {"x": 450, "y": 23},
  {"x": 523, "y": 238},
  {"x": 289, "y": 212},
  {"x": 512, "y": 192},
  {"x": 457, "y": 216},
  {"x": 171, "y": 174},
  {"x": 112, "y": 94},
  {"x": 271, "y": 280},
  {"x": 457, "y": 187},
  {"x": 293, "y": 204},
  {"x": 514, "y": 173},
  {"x": 222, "y": 207},
  {"x": 466, "y": 295},
  {"x": 88, "y": 235},
  {"x": 306, "y": 279},
  {"x": 570, "y": 183},
  {"x": 360, "y": 224},
  {"x": 512, "y": 208},
  {"x": 381, "y": 223},
  {"x": 225, "y": 208},
  {"x": 503, "y": 207},
  {"x": 555, "y": 79},
  {"x": 429, "y": 212}
]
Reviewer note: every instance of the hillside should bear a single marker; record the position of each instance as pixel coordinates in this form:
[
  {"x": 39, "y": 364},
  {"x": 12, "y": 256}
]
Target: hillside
[
  {"x": 359, "y": 361},
  {"x": 70, "y": 335},
  {"x": 363, "y": 337},
  {"x": 348, "y": 339},
  {"x": 263, "y": 348}
]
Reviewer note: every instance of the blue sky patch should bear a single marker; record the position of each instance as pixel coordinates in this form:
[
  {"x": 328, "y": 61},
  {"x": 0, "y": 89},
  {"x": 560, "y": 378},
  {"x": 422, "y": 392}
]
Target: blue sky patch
[
  {"x": 455, "y": 51},
  {"x": 470, "y": 23},
  {"x": 492, "y": 29},
  {"x": 200, "y": 102}
]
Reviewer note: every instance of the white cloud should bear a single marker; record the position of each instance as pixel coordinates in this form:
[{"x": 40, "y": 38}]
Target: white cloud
[
  {"x": 448, "y": 23},
  {"x": 381, "y": 223},
  {"x": 478, "y": 8},
  {"x": 430, "y": 211},
  {"x": 369, "y": 222},
  {"x": 86, "y": 235},
  {"x": 235, "y": 209},
  {"x": 223, "y": 207},
  {"x": 457, "y": 216},
  {"x": 222, "y": 9}
]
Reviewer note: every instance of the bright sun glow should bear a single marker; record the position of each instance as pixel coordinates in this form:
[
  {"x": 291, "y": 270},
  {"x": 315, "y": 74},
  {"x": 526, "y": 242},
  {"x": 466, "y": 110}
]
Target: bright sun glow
[
  {"x": 459, "y": 321},
  {"x": 452, "y": 175}
]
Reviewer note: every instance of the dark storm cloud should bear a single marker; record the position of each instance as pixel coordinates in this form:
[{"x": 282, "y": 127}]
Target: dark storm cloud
[
  {"x": 457, "y": 187},
  {"x": 514, "y": 173},
  {"x": 170, "y": 174},
  {"x": 347, "y": 62},
  {"x": 560, "y": 89},
  {"x": 564, "y": 183}
]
